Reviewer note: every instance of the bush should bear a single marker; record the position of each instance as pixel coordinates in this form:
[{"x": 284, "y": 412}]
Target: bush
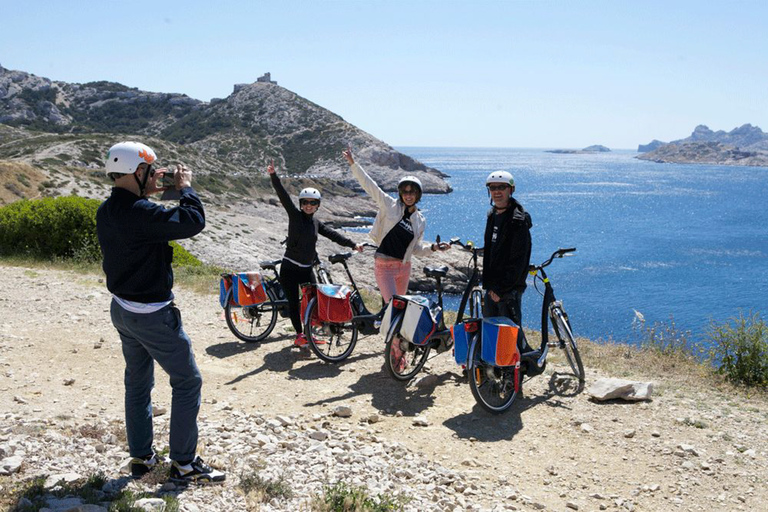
[
  {"x": 344, "y": 498},
  {"x": 740, "y": 349},
  {"x": 60, "y": 228},
  {"x": 63, "y": 227}
]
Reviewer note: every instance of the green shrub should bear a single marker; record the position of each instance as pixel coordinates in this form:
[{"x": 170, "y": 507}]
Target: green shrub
[
  {"x": 60, "y": 228},
  {"x": 341, "y": 497},
  {"x": 63, "y": 227},
  {"x": 740, "y": 349}
]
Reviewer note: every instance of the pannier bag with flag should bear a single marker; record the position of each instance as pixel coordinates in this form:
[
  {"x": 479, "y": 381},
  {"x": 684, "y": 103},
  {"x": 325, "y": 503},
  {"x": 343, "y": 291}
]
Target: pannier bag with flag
[
  {"x": 420, "y": 320},
  {"x": 499, "y": 341},
  {"x": 224, "y": 286},
  {"x": 248, "y": 289},
  {"x": 333, "y": 304},
  {"x": 460, "y": 343}
]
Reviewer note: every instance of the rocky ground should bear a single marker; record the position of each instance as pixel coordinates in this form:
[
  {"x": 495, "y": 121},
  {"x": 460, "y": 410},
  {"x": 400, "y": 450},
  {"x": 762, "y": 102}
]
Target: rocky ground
[{"x": 278, "y": 413}]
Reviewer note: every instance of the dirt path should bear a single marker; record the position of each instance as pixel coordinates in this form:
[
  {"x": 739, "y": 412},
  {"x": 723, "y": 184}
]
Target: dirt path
[{"x": 688, "y": 449}]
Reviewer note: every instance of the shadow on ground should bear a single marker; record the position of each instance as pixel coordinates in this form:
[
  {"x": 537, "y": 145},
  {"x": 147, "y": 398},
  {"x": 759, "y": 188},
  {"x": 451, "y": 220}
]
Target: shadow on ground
[
  {"x": 391, "y": 396},
  {"x": 488, "y": 427}
]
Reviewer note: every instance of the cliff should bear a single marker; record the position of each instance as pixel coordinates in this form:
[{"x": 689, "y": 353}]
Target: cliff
[
  {"x": 56, "y": 125},
  {"x": 745, "y": 145}
]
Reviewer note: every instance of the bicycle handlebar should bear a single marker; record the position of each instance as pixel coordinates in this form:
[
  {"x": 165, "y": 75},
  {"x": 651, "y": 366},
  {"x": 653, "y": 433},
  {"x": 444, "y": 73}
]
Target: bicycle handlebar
[{"x": 557, "y": 254}]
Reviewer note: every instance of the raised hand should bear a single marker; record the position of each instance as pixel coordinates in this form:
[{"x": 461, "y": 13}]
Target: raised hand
[
  {"x": 271, "y": 167},
  {"x": 348, "y": 155}
]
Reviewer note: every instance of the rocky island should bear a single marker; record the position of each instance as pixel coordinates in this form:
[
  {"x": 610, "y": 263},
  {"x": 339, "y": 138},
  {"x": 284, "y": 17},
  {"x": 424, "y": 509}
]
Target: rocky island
[
  {"x": 588, "y": 150},
  {"x": 746, "y": 145}
]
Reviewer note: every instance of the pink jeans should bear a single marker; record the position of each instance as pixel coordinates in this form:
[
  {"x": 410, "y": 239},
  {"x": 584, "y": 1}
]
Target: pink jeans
[{"x": 392, "y": 277}]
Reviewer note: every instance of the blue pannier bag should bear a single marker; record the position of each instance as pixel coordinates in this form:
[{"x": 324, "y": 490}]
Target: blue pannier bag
[{"x": 460, "y": 343}]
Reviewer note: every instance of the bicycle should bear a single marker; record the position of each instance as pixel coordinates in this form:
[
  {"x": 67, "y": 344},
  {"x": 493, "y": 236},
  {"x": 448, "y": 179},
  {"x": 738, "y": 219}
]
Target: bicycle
[
  {"x": 334, "y": 341},
  {"x": 496, "y": 387},
  {"x": 410, "y": 355},
  {"x": 254, "y": 323}
]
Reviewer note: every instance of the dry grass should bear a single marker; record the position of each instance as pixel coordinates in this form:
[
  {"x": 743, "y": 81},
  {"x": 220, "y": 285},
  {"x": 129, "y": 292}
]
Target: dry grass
[{"x": 19, "y": 180}]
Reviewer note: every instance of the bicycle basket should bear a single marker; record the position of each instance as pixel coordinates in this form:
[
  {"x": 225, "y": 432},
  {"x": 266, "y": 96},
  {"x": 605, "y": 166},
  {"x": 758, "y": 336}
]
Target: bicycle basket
[
  {"x": 248, "y": 289},
  {"x": 420, "y": 320},
  {"x": 499, "y": 342},
  {"x": 333, "y": 304}
]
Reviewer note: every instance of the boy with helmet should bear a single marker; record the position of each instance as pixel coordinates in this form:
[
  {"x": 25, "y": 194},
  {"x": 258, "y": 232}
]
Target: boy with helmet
[
  {"x": 300, "y": 252},
  {"x": 507, "y": 250},
  {"x": 398, "y": 230},
  {"x": 134, "y": 234}
]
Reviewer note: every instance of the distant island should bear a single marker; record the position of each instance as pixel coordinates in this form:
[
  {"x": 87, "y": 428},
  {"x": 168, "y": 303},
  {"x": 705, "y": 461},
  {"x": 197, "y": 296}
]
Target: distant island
[
  {"x": 746, "y": 145},
  {"x": 588, "y": 150}
]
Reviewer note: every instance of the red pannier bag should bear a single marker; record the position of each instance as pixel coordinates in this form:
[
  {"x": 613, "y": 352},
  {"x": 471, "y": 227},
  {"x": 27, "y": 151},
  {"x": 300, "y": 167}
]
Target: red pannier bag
[
  {"x": 333, "y": 304},
  {"x": 248, "y": 289},
  {"x": 308, "y": 292}
]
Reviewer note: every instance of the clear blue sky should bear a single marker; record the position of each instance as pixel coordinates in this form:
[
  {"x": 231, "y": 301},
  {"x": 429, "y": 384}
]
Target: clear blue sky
[{"x": 428, "y": 73}]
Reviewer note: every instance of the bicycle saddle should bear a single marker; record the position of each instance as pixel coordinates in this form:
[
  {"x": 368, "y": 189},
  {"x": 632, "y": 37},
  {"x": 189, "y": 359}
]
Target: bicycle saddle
[
  {"x": 436, "y": 271},
  {"x": 339, "y": 257},
  {"x": 269, "y": 264}
]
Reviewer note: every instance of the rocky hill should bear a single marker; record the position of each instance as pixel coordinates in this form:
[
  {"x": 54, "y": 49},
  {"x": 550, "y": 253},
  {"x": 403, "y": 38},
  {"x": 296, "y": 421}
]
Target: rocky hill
[
  {"x": 745, "y": 145},
  {"x": 60, "y": 128}
]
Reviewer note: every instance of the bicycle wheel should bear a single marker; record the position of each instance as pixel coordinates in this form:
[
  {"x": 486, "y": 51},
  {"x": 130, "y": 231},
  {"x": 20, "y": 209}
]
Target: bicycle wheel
[
  {"x": 402, "y": 358},
  {"x": 493, "y": 387},
  {"x": 251, "y": 323},
  {"x": 476, "y": 304},
  {"x": 565, "y": 336},
  {"x": 331, "y": 342}
]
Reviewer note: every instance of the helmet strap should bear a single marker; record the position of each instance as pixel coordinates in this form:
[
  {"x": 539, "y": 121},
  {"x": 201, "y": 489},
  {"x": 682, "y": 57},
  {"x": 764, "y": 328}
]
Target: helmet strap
[{"x": 142, "y": 183}]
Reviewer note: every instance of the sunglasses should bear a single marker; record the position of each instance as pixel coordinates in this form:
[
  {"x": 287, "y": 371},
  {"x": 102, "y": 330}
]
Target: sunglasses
[
  {"x": 310, "y": 202},
  {"x": 496, "y": 188},
  {"x": 408, "y": 191}
]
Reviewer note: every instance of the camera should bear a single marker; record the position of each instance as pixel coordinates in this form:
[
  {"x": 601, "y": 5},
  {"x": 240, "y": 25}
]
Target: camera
[{"x": 168, "y": 179}]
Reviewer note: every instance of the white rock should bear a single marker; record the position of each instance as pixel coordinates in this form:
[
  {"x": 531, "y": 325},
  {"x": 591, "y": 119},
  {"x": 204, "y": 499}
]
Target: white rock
[
  {"x": 151, "y": 504},
  {"x": 158, "y": 411},
  {"x": 586, "y": 427},
  {"x": 420, "y": 421},
  {"x": 10, "y": 465},
  {"x": 610, "y": 388},
  {"x": 63, "y": 478}
]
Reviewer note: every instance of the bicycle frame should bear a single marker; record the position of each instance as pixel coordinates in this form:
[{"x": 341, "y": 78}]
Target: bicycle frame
[
  {"x": 363, "y": 318},
  {"x": 547, "y": 302}
]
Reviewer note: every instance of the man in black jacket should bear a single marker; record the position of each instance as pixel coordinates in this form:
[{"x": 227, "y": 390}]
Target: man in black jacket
[
  {"x": 507, "y": 251},
  {"x": 134, "y": 234}
]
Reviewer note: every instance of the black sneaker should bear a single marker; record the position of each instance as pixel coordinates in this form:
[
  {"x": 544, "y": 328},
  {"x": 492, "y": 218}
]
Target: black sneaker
[
  {"x": 196, "y": 471},
  {"x": 140, "y": 466}
]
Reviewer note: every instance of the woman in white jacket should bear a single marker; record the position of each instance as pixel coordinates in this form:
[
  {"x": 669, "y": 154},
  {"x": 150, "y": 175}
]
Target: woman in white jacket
[{"x": 398, "y": 230}]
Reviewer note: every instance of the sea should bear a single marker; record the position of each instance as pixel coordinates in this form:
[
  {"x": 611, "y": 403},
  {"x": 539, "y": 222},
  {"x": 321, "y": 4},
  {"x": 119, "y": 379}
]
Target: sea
[{"x": 656, "y": 243}]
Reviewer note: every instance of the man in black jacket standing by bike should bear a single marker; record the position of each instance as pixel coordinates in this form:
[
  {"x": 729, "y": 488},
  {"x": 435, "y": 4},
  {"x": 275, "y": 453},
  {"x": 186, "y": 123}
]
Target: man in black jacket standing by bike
[
  {"x": 507, "y": 251},
  {"x": 134, "y": 234}
]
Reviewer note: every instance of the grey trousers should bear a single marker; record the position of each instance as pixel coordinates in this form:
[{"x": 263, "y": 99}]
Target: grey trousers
[{"x": 160, "y": 337}]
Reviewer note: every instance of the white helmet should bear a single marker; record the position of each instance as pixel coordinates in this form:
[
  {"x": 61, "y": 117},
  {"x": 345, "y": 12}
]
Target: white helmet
[
  {"x": 309, "y": 193},
  {"x": 410, "y": 179},
  {"x": 500, "y": 177},
  {"x": 125, "y": 157}
]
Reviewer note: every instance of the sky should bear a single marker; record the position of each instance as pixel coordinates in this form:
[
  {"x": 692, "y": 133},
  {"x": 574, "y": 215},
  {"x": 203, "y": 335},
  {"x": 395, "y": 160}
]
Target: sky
[{"x": 538, "y": 74}]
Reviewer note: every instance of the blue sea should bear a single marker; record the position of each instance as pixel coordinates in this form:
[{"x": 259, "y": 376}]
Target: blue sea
[{"x": 681, "y": 242}]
